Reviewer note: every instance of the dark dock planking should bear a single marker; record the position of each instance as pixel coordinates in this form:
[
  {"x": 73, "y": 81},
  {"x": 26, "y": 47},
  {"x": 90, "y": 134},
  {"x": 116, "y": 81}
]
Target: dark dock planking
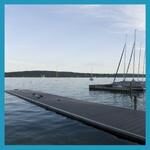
[{"x": 122, "y": 122}]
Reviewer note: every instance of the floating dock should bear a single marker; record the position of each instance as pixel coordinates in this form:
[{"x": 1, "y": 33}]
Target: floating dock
[
  {"x": 111, "y": 88},
  {"x": 121, "y": 122}
]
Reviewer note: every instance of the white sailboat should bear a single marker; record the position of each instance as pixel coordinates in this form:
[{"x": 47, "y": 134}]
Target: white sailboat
[
  {"x": 43, "y": 76},
  {"x": 133, "y": 84},
  {"x": 91, "y": 76},
  {"x": 124, "y": 85}
]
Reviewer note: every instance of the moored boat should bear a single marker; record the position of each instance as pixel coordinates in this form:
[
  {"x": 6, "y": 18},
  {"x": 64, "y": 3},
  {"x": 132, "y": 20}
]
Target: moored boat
[{"x": 124, "y": 85}]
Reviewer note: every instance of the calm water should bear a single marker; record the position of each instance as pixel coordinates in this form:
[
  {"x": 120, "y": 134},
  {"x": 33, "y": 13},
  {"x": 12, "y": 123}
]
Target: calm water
[{"x": 26, "y": 123}]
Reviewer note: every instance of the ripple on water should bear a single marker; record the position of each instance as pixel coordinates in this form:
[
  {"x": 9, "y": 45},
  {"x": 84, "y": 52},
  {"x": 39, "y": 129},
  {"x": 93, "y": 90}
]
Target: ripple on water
[{"x": 26, "y": 123}]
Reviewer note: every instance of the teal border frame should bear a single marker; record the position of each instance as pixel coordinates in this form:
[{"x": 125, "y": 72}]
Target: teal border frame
[{"x": 2, "y": 82}]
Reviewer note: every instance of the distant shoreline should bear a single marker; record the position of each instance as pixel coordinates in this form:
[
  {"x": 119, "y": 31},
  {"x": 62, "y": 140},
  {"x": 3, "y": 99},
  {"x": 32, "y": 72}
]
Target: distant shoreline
[{"x": 54, "y": 74}]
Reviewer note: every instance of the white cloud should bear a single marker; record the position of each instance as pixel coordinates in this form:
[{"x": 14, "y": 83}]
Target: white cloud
[
  {"x": 117, "y": 16},
  {"x": 113, "y": 16}
]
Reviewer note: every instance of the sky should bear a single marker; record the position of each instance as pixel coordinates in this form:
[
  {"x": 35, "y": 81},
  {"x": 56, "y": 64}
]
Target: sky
[{"x": 77, "y": 38}]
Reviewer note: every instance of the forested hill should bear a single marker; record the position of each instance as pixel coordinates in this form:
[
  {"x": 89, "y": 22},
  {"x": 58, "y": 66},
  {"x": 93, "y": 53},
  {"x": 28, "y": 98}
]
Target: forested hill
[{"x": 61, "y": 74}]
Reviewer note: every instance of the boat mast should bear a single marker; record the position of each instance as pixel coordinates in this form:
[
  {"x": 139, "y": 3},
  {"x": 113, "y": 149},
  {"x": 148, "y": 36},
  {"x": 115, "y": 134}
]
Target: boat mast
[
  {"x": 91, "y": 75},
  {"x": 144, "y": 64},
  {"x": 119, "y": 62},
  {"x": 124, "y": 70},
  {"x": 91, "y": 72},
  {"x": 133, "y": 48},
  {"x": 134, "y": 55},
  {"x": 56, "y": 72},
  {"x": 139, "y": 63}
]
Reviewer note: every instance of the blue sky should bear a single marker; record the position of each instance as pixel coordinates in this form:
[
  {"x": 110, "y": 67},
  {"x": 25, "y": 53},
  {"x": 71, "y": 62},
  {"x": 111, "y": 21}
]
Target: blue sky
[{"x": 77, "y": 38}]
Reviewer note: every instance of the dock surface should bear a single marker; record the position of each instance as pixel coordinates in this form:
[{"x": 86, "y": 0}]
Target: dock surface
[{"x": 125, "y": 123}]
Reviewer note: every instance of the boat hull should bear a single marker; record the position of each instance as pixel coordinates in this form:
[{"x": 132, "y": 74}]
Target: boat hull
[{"x": 111, "y": 88}]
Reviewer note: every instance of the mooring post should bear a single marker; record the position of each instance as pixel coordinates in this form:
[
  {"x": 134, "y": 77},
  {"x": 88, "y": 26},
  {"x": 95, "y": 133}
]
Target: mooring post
[
  {"x": 135, "y": 102},
  {"x": 131, "y": 90}
]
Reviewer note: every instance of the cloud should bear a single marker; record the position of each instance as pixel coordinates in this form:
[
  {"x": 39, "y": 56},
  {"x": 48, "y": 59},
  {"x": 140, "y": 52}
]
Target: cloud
[
  {"x": 113, "y": 16},
  {"x": 119, "y": 16}
]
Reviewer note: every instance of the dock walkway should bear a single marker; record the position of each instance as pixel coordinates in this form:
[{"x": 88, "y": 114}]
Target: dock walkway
[{"x": 122, "y": 122}]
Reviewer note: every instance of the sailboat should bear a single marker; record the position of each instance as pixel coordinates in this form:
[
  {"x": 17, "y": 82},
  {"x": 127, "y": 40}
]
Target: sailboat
[
  {"x": 91, "y": 77},
  {"x": 43, "y": 76},
  {"x": 123, "y": 86},
  {"x": 133, "y": 84}
]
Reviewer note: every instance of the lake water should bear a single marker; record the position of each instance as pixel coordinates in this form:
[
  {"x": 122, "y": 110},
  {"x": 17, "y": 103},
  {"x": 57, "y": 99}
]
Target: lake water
[{"x": 26, "y": 123}]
